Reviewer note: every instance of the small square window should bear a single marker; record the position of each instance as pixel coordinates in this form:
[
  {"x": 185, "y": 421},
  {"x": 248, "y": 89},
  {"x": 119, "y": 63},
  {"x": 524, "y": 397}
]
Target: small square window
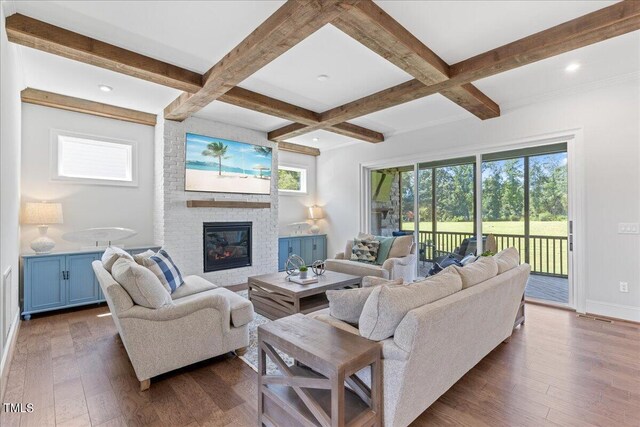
[
  {"x": 292, "y": 180},
  {"x": 93, "y": 160}
]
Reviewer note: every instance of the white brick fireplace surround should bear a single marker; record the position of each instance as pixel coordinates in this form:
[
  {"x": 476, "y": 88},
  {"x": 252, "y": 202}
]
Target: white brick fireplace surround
[{"x": 179, "y": 229}]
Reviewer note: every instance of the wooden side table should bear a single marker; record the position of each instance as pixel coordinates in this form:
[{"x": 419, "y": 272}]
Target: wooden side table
[{"x": 313, "y": 392}]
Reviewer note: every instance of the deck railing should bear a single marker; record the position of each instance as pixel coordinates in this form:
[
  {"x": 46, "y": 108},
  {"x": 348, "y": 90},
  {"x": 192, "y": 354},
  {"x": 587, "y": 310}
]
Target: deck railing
[{"x": 547, "y": 254}]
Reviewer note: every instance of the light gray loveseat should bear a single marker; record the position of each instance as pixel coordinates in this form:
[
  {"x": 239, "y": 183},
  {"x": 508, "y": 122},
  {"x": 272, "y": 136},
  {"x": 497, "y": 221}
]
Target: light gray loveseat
[
  {"x": 435, "y": 344},
  {"x": 401, "y": 263},
  {"x": 201, "y": 322}
]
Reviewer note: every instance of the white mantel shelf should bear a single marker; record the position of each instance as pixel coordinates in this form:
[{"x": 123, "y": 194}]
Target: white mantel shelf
[{"x": 227, "y": 204}]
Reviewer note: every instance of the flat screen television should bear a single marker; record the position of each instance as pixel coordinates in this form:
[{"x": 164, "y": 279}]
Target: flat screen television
[{"x": 216, "y": 165}]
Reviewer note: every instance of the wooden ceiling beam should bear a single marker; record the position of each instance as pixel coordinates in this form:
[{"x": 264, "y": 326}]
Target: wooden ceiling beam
[
  {"x": 257, "y": 102},
  {"x": 612, "y": 21},
  {"x": 300, "y": 149},
  {"x": 40, "y": 35},
  {"x": 357, "y": 132},
  {"x": 79, "y": 105},
  {"x": 367, "y": 23},
  {"x": 473, "y": 100},
  {"x": 300, "y": 116},
  {"x": 370, "y": 25},
  {"x": 290, "y": 24},
  {"x": 346, "y": 129}
]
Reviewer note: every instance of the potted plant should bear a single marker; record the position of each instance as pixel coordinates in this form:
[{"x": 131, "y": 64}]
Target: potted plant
[{"x": 303, "y": 272}]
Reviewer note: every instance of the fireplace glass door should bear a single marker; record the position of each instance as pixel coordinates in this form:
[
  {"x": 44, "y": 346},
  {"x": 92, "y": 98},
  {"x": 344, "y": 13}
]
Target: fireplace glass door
[{"x": 226, "y": 245}]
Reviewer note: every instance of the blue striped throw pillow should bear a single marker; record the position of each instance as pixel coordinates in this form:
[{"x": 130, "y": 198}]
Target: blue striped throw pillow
[{"x": 164, "y": 268}]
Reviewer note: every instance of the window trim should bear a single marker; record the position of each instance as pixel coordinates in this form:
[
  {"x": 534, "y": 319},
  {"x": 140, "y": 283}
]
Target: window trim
[
  {"x": 54, "y": 159},
  {"x": 303, "y": 180}
]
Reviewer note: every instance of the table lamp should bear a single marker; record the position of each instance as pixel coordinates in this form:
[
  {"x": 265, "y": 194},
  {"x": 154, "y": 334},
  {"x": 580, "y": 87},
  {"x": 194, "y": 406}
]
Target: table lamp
[
  {"x": 42, "y": 214},
  {"x": 315, "y": 213}
]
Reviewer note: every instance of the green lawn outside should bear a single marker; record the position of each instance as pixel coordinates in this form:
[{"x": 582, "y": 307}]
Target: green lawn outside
[
  {"x": 538, "y": 228},
  {"x": 543, "y": 258}
]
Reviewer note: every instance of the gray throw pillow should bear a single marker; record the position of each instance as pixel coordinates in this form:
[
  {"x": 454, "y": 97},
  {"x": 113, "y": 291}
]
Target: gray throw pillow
[
  {"x": 347, "y": 304},
  {"x": 111, "y": 255},
  {"x": 401, "y": 247},
  {"x": 386, "y": 306},
  {"x": 141, "y": 284},
  {"x": 139, "y": 258},
  {"x": 507, "y": 259},
  {"x": 483, "y": 269}
]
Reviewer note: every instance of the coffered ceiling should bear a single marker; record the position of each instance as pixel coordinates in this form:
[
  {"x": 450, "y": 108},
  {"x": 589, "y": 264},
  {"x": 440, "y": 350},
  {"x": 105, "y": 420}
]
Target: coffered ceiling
[{"x": 196, "y": 35}]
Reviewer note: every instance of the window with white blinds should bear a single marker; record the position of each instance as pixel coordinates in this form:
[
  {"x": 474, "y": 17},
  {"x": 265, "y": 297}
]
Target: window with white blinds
[{"x": 89, "y": 160}]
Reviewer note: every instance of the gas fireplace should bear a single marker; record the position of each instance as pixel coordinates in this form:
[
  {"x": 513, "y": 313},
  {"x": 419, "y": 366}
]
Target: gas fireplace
[{"x": 226, "y": 245}]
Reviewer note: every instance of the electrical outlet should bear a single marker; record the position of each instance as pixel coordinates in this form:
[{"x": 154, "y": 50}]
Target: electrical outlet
[
  {"x": 624, "y": 287},
  {"x": 628, "y": 228}
]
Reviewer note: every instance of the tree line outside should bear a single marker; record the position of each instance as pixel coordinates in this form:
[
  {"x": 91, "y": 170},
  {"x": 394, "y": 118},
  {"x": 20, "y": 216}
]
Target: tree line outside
[
  {"x": 502, "y": 196},
  {"x": 288, "y": 180}
]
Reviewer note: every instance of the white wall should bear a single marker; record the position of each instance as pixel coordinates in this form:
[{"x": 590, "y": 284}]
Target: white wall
[
  {"x": 181, "y": 229},
  {"x": 293, "y": 206},
  {"x": 10, "y": 87},
  {"x": 85, "y": 205},
  {"x": 609, "y": 118}
]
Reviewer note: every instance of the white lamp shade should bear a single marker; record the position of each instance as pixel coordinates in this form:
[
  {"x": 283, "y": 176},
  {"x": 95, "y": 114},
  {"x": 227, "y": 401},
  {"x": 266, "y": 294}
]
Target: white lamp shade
[
  {"x": 315, "y": 212},
  {"x": 42, "y": 213}
]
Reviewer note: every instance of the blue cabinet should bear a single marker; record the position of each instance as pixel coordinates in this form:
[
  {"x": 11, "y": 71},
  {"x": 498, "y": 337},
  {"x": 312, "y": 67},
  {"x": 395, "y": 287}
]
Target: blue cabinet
[
  {"x": 56, "y": 281},
  {"x": 310, "y": 248},
  {"x": 49, "y": 274},
  {"x": 83, "y": 286}
]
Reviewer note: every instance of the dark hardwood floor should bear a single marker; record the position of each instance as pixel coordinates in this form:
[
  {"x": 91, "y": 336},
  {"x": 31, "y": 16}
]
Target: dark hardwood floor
[{"x": 557, "y": 370}]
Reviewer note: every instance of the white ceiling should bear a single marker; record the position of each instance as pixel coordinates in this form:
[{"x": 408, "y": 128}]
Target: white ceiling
[
  {"x": 54, "y": 73},
  {"x": 457, "y": 30},
  {"x": 227, "y": 113},
  {"x": 196, "y": 35},
  {"x": 618, "y": 56},
  {"x": 354, "y": 71},
  {"x": 191, "y": 34}
]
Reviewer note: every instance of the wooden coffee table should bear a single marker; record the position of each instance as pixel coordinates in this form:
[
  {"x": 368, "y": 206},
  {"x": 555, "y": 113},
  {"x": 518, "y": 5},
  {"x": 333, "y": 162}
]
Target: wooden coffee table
[
  {"x": 273, "y": 296},
  {"x": 312, "y": 391}
]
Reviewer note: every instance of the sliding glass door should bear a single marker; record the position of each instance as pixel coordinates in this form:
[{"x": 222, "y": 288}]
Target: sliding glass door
[
  {"x": 446, "y": 214},
  {"x": 525, "y": 205}
]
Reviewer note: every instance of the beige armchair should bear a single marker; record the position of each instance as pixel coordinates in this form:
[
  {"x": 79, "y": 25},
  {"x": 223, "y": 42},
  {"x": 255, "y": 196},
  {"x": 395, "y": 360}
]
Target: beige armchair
[
  {"x": 401, "y": 263},
  {"x": 202, "y": 321}
]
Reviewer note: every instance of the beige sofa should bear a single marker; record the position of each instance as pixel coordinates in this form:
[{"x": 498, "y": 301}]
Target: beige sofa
[
  {"x": 394, "y": 267},
  {"x": 201, "y": 322},
  {"x": 434, "y": 345}
]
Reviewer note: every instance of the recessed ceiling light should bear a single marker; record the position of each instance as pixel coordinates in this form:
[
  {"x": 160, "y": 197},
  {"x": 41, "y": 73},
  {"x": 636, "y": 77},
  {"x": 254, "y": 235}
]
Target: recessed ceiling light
[
  {"x": 572, "y": 68},
  {"x": 105, "y": 88},
  {"x": 323, "y": 77},
  {"x": 316, "y": 139}
]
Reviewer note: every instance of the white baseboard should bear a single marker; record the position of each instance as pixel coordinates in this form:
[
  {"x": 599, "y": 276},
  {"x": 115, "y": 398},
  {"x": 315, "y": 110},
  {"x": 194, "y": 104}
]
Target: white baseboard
[
  {"x": 618, "y": 311},
  {"x": 7, "y": 357}
]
